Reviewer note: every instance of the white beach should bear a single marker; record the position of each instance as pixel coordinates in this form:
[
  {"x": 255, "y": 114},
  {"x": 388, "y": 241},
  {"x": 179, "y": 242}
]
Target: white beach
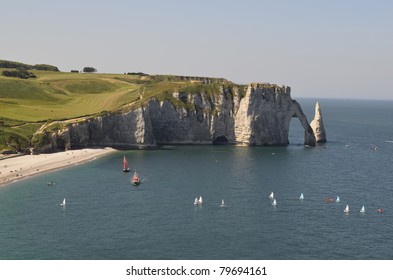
[{"x": 20, "y": 167}]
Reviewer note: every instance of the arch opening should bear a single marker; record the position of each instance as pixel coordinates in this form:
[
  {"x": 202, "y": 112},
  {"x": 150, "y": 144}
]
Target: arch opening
[
  {"x": 220, "y": 140},
  {"x": 296, "y": 132}
]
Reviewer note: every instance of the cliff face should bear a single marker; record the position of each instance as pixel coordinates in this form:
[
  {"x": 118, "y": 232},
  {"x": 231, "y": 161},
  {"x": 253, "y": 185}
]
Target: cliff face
[
  {"x": 128, "y": 130},
  {"x": 260, "y": 116},
  {"x": 205, "y": 119}
]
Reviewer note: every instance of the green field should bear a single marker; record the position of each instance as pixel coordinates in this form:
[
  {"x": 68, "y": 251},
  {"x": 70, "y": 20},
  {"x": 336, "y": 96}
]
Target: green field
[
  {"x": 53, "y": 96},
  {"x": 56, "y": 95}
]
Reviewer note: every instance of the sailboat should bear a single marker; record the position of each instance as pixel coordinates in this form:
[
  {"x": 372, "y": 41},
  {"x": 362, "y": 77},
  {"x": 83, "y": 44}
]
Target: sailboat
[
  {"x": 200, "y": 201},
  {"x": 196, "y": 201},
  {"x": 125, "y": 165},
  {"x": 301, "y": 196},
  {"x": 271, "y": 196},
  {"x": 363, "y": 210},
  {"x": 338, "y": 199},
  {"x": 63, "y": 203},
  {"x": 135, "y": 179},
  {"x": 222, "y": 203},
  {"x": 346, "y": 210},
  {"x": 274, "y": 202}
]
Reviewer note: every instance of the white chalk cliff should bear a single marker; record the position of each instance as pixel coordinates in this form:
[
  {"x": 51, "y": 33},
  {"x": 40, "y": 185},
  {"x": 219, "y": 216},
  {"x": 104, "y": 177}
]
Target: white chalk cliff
[
  {"x": 257, "y": 116},
  {"x": 264, "y": 116},
  {"x": 317, "y": 125}
]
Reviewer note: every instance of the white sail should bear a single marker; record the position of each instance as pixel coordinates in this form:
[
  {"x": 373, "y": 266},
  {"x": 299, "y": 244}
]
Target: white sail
[
  {"x": 338, "y": 199},
  {"x": 301, "y": 196},
  {"x": 64, "y": 202},
  {"x": 271, "y": 195},
  {"x": 200, "y": 201},
  {"x": 363, "y": 210},
  {"x": 196, "y": 201},
  {"x": 274, "y": 202},
  {"x": 222, "y": 203},
  {"x": 346, "y": 210}
]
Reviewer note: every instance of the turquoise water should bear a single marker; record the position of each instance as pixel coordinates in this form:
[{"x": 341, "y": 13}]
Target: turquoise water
[{"x": 107, "y": 218}]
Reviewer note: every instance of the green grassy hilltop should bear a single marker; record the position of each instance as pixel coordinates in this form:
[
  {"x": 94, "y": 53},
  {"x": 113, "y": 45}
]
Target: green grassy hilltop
[
  {"x": 52, "y": 96},
  {"x": 56, "y": 95}
]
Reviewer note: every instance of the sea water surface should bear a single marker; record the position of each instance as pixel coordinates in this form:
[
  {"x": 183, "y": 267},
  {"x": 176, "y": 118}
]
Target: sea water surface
[{"x": 107, "y": 218}]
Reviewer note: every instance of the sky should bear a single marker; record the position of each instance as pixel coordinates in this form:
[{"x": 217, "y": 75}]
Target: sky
[{"x": 323, "y": 49}]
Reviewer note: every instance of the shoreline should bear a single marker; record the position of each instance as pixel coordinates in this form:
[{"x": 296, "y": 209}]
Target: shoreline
[{"x": 21, "y": 167}]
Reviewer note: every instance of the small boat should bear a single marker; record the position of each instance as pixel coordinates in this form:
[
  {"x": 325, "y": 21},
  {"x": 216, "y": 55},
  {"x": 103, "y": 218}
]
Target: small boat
[
  {"x": 63, "y": 203},
  {"x": 363, "y": 209},
  {"x": 274, "y": 203},
  {"x": 125, "y": 165},
  {"x": 346, "y": 210},
  {"x": 222, "y": 203},
  {"x": 380, "y": 210},
  {"x": 329, "y": 199},
  {"x": 338, "y": 199},
  {"x": 51, "y": 184},
  {"x": 301, "y": 196},
  {"x": 135, "y": 179},
  {"x": 200, "y": 201},
  {"x": 196, "y": 201},
  {"x": 271, "y": 196}
]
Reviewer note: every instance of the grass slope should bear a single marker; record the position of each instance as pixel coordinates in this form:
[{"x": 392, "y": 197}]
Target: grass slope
[{"x": 55, "y": 95}]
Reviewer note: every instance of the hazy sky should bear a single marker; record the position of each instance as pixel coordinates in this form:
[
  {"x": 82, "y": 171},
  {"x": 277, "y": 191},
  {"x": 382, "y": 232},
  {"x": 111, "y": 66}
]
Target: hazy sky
[{"x": 319, "y": 48}]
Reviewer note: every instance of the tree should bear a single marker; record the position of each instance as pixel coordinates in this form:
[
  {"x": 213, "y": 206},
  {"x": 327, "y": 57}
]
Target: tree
[{"x": 89, "y": 70}]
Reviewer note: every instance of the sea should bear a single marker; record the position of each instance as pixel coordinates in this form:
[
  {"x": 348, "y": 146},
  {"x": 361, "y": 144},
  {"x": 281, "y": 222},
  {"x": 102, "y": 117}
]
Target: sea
[{"x": 106, "y": 218}]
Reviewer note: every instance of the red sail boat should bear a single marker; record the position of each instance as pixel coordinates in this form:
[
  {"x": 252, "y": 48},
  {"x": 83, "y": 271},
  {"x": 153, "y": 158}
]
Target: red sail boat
[
  {"x": 135, "y": 179},
  {"x": 125, "y": 165}
]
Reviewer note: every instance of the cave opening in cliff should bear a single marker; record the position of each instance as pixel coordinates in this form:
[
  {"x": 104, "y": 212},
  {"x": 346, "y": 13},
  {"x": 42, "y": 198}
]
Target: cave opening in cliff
[
  {"x": 220, "y": 140},
  {"x": 296, "y": 132}
]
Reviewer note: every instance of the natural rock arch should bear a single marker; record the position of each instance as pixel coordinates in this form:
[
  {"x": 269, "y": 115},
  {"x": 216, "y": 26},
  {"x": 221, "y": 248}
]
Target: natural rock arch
[
  {"x": 264, "y": 116},
  {"x": 309, "y": 138}
]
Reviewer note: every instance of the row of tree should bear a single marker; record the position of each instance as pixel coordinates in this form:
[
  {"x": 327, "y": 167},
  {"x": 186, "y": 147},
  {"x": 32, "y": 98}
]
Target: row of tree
[
  {"x": 86, "y": 70},
  {"x": 18, "y": 73},
  {"x": 19, "y": 65},
  {"x": 137, "y": 73}
]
